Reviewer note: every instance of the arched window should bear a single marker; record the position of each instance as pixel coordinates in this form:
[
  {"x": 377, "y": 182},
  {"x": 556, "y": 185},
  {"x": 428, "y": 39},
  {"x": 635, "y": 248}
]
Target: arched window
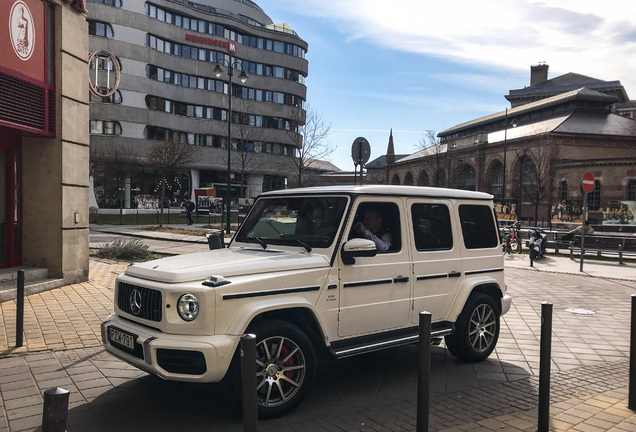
[
  {"x": 594, "y": 197},
  {"x": 408, "y": 179},
  {"x": 564, "y": 190},
  {"x": 422, "y": 179},
  {"x": 528, "y": 180},
  {"x": 631, "y": 190},
  {"x": 467, "y": 178},
  {"x": 496, "y": 181},
  {"x": 395, "y": 180}
]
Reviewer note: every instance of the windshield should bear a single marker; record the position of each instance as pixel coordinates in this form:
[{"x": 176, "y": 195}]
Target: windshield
[{"x": 293, "y": 221}]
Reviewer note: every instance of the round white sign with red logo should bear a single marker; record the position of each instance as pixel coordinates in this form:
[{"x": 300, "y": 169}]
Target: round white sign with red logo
[{"x": 22, "y": 30}]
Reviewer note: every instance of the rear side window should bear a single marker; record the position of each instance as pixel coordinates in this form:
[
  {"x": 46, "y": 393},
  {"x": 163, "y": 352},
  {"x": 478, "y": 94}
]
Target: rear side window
[
  {"x": 478, "y": 226},
  {"x": 431, "y": 227}
]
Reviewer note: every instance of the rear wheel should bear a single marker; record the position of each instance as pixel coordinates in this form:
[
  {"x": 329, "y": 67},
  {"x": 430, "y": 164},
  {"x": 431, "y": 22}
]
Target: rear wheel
[
  {"x": 515, "y": 245},
  {"x": 476, "y": 329}
]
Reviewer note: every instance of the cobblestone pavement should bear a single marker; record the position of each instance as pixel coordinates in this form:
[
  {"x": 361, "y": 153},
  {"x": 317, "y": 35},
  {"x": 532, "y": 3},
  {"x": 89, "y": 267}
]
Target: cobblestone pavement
[{"x": 374, "y": 392}]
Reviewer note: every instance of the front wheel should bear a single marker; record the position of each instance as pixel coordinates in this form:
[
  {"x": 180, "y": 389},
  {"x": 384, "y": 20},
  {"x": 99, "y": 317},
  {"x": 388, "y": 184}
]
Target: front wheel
[
  {"x": 285, "y": 368},
  {"x": 476, "y": 330}
]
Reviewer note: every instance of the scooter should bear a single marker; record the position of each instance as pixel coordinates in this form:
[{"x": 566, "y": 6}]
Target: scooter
[{"x": 538, "y": 243}]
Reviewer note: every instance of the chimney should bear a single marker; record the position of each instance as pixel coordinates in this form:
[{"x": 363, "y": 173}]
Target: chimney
[{"x": 538, "y": 73}]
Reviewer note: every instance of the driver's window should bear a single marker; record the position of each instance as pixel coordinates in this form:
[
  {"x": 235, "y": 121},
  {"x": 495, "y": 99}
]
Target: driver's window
[{"x": 378, "y": 222}]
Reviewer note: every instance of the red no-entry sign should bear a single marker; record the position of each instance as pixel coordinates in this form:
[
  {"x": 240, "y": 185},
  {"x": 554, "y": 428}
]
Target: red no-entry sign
[{"x": 588, "y": 182}]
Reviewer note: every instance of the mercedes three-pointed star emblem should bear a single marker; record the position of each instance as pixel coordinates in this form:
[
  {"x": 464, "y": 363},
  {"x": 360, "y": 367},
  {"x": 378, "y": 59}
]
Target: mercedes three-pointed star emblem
[{"x": 135, "y": 301}]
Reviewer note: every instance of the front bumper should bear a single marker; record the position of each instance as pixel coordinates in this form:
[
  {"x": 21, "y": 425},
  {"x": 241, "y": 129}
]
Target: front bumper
[
  {"x": 171, "y": 357},
  {"x": 506, "y": 302}
]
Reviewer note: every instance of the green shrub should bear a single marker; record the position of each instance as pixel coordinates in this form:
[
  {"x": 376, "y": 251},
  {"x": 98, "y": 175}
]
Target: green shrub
[{"x": 129, "y": 249}]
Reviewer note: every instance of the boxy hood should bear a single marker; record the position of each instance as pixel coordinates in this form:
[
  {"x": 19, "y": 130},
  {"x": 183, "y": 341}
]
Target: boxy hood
[{"x": 224, "y": 262}]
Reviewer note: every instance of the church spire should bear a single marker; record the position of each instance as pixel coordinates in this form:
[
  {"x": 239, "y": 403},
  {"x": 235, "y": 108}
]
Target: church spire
[
  {"x": 389, "y": 158},
  {"x": 390, "y": 151}
]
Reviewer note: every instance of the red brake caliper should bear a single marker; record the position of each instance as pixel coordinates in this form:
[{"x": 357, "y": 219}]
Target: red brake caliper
[{"x": 290, "y": 362}]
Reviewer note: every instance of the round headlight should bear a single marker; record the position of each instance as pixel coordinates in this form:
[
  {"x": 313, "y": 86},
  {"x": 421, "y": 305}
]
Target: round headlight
[{"x": 188, "y": 307}]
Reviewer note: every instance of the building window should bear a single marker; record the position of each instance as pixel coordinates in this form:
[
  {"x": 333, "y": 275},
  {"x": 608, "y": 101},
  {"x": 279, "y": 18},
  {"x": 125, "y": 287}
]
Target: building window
[
  {"x": 440, "y": 178},
  {"x": 114, "y": 3},
  {"x": 101, "y": 29},
  {"x": 114, "y": 98},
  {"x": 564, "y": 191},
  {"x": 594, "y": 197},
  {"x": 467, "y": 179},
  {"x": 103, "y": 127},
  {"x": 631, "y": 190},
  {"x": 207, "y": 27},
  {"x": 422, "y": 179},
  {"x": 496, "y": 182},
  {"x": 529, "y": 180},
  {"x": 202, "y": 54},
  {"x": 408, "y": 179}
]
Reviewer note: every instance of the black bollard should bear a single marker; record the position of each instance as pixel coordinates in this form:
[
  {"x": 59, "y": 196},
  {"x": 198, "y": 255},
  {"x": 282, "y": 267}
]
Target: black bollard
[
  {"x": 631, "y": 404},
  {"x": 424, "y": 372},
  {"x": 55, "y": 410},
  {"x": 544, "y": 367},
  {"x": 19, "y": 313},
  {"x": 248, "y": 377}
]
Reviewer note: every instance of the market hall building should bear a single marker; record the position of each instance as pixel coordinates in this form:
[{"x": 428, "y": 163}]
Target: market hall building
[
  {"x": 167, "y": 51},
  {"x": 533, "y": 155},
  {"x": 44, "y": 141}
]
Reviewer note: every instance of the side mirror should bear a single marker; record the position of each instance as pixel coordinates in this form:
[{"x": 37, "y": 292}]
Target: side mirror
[
  {"x": 357, "y": 248},
  {"x": 215, "y": 240}
]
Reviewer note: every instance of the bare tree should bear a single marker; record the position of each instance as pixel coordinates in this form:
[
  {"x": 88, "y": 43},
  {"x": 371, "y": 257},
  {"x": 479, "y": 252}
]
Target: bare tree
[
  {"x": 436, "y": 160},
  {"x": 118, "y": 161},
  {"x": 246, "y": 138},
  {"x": 311, "y": 142},
  {"x": 428, "y": 139},
  {"x": 169, "y": 157},
  {"x": 538, "y": 173}
]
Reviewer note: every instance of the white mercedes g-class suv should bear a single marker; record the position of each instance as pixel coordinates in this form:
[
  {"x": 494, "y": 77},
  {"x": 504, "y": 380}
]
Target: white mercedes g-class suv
[{"x": 339, "y": 270}]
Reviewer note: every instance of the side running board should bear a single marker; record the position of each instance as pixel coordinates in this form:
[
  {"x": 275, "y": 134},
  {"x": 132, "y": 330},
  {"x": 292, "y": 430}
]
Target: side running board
[{"x": 366, "y": 344}]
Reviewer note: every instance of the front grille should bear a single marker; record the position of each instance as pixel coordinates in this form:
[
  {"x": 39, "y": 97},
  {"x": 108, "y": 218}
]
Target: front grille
[{"x": 149, "y": 301}]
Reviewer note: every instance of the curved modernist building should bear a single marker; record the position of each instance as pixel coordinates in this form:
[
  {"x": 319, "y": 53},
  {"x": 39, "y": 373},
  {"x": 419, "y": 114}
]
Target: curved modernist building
[{"x": 167, "y": 51}]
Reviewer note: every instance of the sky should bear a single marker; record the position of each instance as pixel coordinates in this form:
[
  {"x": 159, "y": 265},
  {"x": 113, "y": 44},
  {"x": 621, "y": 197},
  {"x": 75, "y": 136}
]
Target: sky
[{"x": 418, "y": 65}]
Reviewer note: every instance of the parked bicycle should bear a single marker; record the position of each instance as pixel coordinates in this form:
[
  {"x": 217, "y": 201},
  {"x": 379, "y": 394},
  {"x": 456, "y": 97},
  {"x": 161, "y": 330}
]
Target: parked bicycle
[{"x": 510, "y": 241}]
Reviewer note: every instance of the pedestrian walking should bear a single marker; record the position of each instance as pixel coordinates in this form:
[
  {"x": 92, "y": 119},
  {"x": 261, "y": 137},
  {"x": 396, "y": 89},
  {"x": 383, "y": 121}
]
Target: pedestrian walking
[{"x": 189, "y": 209}]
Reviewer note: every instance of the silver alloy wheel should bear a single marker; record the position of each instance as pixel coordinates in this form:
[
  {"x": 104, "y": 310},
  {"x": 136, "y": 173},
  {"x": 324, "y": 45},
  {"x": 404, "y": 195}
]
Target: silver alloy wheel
[
  {"x": 281, "y": 370},
  {"x": 482, "y": 328}
]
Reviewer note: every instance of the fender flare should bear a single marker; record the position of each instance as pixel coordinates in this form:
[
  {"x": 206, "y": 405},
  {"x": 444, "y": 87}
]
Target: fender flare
[
  {"x": 245, "y": 315},
  {"x": 483, "y": 283}
]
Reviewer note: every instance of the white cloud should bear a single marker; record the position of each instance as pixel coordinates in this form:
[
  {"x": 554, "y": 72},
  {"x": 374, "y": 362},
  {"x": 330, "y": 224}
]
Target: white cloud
[{"x": 581, "y": 36}]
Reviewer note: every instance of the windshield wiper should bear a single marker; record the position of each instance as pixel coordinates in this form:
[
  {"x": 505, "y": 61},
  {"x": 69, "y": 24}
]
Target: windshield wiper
[
  {"x": 300, "y": 242},
  {"x": 260, "y": 241}
]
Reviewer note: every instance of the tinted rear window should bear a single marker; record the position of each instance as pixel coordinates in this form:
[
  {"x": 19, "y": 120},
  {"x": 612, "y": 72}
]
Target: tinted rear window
[{"x": 478, "y": 226}]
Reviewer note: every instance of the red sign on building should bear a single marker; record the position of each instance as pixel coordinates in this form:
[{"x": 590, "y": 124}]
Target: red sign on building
[
  {"x": 23, "y": 38},
  {"x": 229, "y": 45}
]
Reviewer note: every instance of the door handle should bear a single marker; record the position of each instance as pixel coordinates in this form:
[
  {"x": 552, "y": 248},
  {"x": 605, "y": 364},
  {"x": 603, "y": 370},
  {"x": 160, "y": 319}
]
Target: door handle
[
  {"x": 454, "y": 274},
  {"x": 401, "y": 279}
]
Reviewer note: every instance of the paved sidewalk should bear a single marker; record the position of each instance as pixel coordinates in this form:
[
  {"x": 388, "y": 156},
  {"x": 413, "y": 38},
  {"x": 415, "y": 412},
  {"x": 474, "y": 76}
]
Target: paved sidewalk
[{"x": 375, "y": 392}]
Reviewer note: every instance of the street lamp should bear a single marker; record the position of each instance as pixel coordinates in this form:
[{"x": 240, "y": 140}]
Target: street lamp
[
  {"x": 513, "y": 123},
  {"x": 218, "y": 71},
  {"x": 521, "y": 161}
]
